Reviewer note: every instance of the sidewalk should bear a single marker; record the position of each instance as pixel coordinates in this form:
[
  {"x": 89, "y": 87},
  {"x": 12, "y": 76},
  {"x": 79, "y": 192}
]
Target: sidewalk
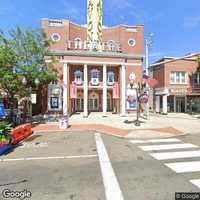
[{"x": 157, "y": 126}]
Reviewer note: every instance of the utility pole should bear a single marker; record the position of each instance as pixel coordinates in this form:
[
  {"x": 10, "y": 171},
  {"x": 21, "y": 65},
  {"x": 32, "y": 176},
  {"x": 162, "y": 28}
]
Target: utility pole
[{"x": 148, "y": 44}]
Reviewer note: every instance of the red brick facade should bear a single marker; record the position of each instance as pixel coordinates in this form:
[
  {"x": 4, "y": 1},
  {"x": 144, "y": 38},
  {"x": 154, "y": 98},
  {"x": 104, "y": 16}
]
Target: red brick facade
[
  {"x": 178, "y": 79},
  {"x": 123, "y": 46}
]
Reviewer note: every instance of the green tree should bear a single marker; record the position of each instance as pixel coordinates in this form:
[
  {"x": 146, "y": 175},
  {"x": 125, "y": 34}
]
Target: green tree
[
  {"x": 198, "y": 60},
  {"x": 22, "y": 55},
  {"x": 10, "y": 82},
  {"x": 31, "y": 47}
]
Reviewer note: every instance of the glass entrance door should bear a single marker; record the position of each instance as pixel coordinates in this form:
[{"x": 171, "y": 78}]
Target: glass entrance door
[
  {"x": 180, "y": 104},
  {"x": 79, "y": 105},
  {"x": 94, "y": 104}
]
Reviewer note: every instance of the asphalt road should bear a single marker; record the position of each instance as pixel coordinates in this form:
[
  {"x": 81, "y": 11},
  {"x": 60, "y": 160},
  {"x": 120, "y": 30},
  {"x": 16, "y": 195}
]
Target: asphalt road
[{"x": 89, "y": 166}]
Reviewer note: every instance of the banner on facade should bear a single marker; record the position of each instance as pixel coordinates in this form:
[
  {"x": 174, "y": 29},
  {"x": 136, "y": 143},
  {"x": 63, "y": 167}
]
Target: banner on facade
[
  {"x": 143, "y": 98},
  {"x": 73, "y": 91},
  {"x": 116, "y": 91},
  {"x": 131, "y": 99}
]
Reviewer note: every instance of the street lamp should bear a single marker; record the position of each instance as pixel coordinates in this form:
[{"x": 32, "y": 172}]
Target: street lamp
[
  {"x": 133, "y": 85},
  {"x": 148, "y": 44}
]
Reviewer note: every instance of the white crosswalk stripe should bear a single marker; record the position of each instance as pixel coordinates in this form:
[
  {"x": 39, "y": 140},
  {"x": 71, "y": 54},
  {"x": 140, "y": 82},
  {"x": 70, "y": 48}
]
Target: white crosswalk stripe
[
  {"x": 167, "y": 147},
  {"x": 196, "y": 182},
  {"x": 155, "y": 141},
  {"x": 175, "y": 145},
  {"x": 184, "y": 167},
  {"x": 175, "y": 155}
]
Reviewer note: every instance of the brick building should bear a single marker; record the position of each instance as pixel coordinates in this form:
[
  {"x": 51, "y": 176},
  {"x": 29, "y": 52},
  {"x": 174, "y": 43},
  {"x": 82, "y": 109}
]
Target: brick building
[
  {"x": 94, "y": 65},
  {"x": 178, "y": 88}
]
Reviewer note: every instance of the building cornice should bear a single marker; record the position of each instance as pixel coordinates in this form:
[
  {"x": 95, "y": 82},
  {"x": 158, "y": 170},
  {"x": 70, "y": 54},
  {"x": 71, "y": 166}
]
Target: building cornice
[
  {"x": 96, "y": 54},
  {"x": 166, "y": 60}
]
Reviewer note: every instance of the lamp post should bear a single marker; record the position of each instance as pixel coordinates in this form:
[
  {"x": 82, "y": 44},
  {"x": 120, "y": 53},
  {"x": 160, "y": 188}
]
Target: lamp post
[
  {"x": 148, "y": 44},
  {"x": 133, "y": 85}
]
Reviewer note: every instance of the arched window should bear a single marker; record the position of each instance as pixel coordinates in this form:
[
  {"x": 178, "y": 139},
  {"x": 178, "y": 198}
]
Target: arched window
[
  {"x": 95, "y": 76},
  {"x": 78, "y": 77},
  {"x": 111, "y": 45},
  {"x": 79, "y": 102},
  {"x": 109, "y": 101},
  {"x": 77, "y": 43},
  {"x": 110, "y": 78}
]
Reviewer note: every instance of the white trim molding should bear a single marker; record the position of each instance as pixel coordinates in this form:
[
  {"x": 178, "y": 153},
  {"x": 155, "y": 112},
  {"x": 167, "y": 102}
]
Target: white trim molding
[{"x": 97, "y": 62}]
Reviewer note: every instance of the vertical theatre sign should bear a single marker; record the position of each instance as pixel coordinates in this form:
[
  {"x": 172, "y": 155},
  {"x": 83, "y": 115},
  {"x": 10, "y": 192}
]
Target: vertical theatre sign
[{"x": 94, "y": 24}]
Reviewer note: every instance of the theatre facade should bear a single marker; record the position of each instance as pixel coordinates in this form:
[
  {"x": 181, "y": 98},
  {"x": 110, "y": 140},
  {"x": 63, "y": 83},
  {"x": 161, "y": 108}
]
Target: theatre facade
[{"x": 93, "y": 69}]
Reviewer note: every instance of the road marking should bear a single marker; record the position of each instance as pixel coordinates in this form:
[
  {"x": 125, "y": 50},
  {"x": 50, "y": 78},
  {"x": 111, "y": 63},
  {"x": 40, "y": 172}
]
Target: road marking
[
  {"x": 33, "y": 145},
  {"x": 166, "y": 140},
  {"x": 174, "y": 155},
  {"x": 46, "y": 158},
  {"x": 155, "y": 141},
  {"x": 196, "y": 182},
  {"x": 167, "y": 147},
  {"x": 137, "y": 141},
  {"x": 181, "y": 167},
  {"x": 111, "y": 185}
]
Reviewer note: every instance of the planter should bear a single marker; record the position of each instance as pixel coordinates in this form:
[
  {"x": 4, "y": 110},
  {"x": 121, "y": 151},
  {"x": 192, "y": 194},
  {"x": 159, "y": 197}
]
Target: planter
[{"x": 5, "y": 148}]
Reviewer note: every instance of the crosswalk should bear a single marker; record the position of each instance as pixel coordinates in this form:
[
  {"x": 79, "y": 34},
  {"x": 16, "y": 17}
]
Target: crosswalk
[{"x": 167, "y": 150}]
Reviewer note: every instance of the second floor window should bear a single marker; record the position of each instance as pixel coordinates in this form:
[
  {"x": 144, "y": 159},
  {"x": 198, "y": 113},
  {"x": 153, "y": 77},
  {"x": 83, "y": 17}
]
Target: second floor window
[
  {"x": 95, "y": 76},
  {"x": 78, "y": 77},
  {"x": 110, "y": 78},
  {"x": 196, "y": 78},
  {"x": 77, "y": 43},
  {"x": 178, "y": 78}
]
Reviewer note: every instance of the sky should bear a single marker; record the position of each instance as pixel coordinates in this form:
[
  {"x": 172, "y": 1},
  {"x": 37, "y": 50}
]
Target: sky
[{"x": 174, "y": 23}]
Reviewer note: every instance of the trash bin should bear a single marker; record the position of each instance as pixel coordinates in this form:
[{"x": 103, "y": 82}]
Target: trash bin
[{"x": 64, "y": 122}]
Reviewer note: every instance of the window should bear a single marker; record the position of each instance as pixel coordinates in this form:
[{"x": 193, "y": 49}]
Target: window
[
  {"x": 178, "y": 77},
  {"x": 110, "y": 78},
  {"x": 78, "y": 77},
  {"x": 95, "y": 75},
  {"x": 111, "y": 45},
  {"x": 55, "y": 37},
  {"x": 131, "y": 42},
  {"x": 196, "y": 78},
  {"x": 77, "y": 43}
]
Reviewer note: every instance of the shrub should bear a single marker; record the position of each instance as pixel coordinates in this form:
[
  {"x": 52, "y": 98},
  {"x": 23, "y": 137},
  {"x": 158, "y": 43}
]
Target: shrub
[{"x": 5, "y": 136}]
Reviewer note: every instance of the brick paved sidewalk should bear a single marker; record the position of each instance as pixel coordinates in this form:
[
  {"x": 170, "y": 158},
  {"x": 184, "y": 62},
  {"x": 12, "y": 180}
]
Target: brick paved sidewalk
[{"x": 156, "y": 132}]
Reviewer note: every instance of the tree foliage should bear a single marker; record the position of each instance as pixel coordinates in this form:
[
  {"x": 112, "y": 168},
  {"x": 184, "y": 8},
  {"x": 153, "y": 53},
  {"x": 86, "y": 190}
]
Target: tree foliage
[
  {"x": 9, "y": 80},
  {"x": 22, "y": 55},
  {"x": 198, "y": 60},
  {"x": 31, "y": 46}
]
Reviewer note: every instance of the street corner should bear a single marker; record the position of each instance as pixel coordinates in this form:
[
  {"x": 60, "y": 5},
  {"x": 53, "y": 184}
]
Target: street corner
[
  {"x": 90, "y": 127},
  {"x": 165, "y": 132}
]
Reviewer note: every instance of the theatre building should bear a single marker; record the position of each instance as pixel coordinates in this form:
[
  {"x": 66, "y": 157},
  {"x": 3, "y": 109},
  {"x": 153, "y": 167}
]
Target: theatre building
[
  {"x": 178, "y": 88},
  {"x": 94, "y": 64}
]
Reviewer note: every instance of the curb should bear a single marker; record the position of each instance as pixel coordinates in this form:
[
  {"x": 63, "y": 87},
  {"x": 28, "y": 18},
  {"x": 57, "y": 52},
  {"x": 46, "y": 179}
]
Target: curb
[{"x": 80, "y": 130}]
